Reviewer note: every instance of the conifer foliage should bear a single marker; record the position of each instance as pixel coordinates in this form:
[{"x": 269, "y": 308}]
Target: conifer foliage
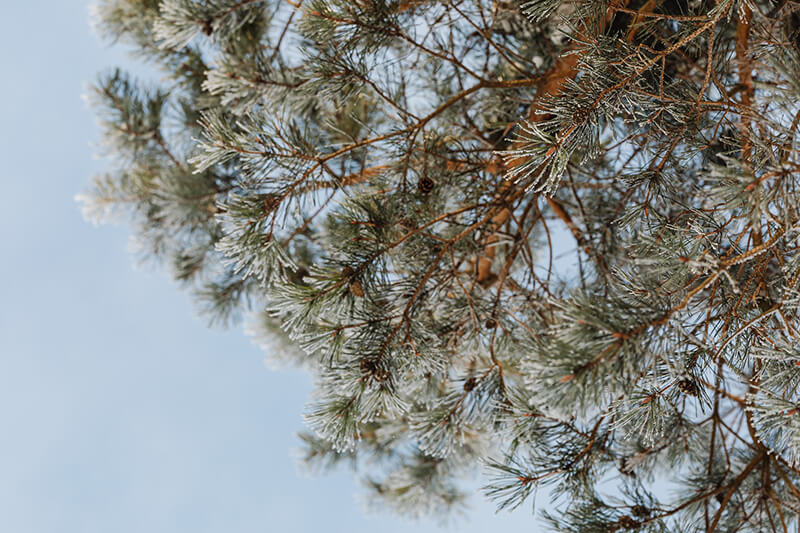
[{"x": 553, "y": 242}]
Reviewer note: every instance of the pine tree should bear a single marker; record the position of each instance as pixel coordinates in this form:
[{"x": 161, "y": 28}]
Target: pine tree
[{"x": 551, "y": 241}]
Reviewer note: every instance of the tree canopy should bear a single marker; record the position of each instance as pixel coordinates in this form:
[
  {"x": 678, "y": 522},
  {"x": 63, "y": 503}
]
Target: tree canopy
[{"x": 552, "y": 242}]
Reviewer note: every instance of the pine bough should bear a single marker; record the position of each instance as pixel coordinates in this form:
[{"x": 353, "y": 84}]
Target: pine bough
[{"x": 554, "y": 242}]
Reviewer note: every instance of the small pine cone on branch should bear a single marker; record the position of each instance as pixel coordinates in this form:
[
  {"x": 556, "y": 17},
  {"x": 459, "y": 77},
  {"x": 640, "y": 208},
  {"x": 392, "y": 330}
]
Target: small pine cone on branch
[
  {"x": 626, "y": 522},
  {"x": 688, "y": 386},
  {"x": 425, "y": 185},
  {"x": 580, "y": 116}
]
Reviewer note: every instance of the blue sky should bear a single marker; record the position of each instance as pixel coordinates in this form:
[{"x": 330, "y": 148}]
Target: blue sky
[{"x": 120, "y": 411}]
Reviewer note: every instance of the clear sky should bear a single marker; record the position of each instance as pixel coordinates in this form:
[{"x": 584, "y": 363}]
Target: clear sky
[{"x": 119, "y": 410}]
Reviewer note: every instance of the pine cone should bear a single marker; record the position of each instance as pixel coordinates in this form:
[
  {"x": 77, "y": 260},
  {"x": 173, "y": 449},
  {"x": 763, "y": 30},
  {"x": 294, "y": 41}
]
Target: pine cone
[
  {"x": 793, "y": 28},
  {"x": 370, "y": 368},
  {"x": 469, "y": 384},
  {"x": 580, "y": 116},
  {"x": 271, "y": 202},
  {"x": 688, "y": 386},
  {"x": 626, "y": 522},
  {"x": 356, "y": 289},
  {"x": 425, "y": 185}
]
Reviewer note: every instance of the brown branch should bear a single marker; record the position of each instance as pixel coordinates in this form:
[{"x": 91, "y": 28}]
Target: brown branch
[
  {"x": 745, "y": 79},
  {"x": 550, "y": 84},
  {"x": 735, "y": 485}
]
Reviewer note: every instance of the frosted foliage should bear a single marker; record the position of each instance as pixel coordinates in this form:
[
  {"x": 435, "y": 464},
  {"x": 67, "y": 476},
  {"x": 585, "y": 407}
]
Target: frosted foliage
[{"x": 553, "y": 244}]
